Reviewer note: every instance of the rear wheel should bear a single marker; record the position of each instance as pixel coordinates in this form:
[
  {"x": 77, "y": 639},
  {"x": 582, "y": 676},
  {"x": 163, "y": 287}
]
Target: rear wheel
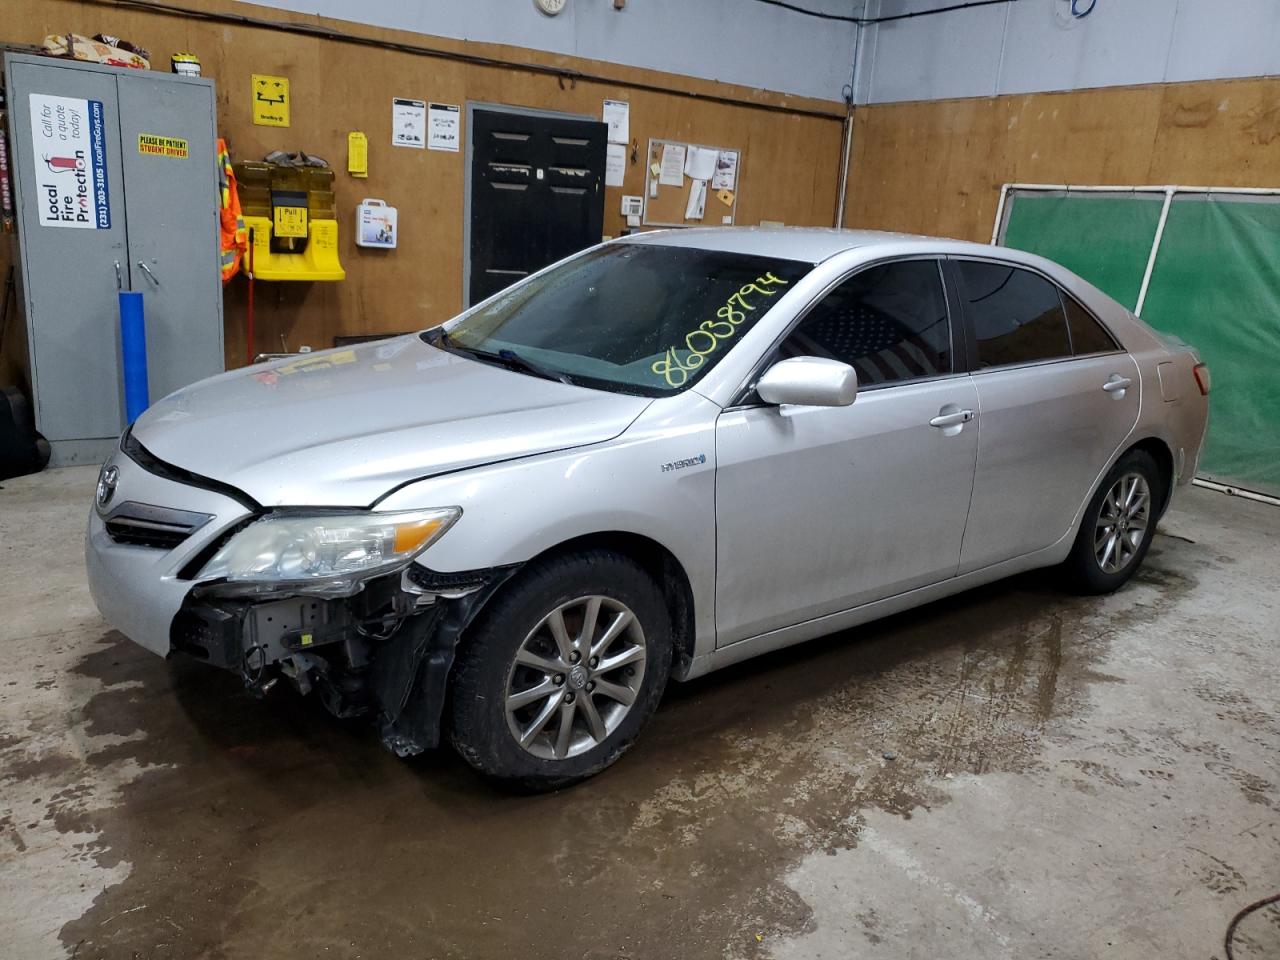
[
  {"x": 1117, "y": 526},
  {"x": 561, "y": 671}
]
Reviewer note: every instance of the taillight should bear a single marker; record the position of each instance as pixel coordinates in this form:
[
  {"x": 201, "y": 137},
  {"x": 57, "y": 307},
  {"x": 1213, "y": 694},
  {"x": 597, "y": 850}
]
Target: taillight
[{"x": 1201, "y": 372}]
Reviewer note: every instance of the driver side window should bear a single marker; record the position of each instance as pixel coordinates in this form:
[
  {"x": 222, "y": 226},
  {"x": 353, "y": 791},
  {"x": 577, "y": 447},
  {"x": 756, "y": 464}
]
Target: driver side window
[{"x": 888, "y": 322}]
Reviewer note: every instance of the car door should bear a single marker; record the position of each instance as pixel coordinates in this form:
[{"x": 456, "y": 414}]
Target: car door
[
  {"x": 820, "y": 509},
  {"x": 1051, "y": 417}
]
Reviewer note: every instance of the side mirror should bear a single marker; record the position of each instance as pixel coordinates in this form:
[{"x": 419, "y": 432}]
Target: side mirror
[{"x": 809, "y": 382}]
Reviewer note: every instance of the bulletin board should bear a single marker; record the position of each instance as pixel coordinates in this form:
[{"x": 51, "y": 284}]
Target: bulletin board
[{"x": 664, "y": 206}]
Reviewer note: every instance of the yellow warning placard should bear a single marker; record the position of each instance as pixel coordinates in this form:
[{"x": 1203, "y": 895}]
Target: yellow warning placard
[
  {"x": 290, "y": 221},
  {"x": 150, "y": 145},
  {"x": 270, "y": 100}
]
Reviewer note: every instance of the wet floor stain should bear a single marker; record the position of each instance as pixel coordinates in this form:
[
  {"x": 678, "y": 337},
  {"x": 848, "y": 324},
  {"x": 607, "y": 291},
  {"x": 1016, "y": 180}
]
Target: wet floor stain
[{"x": 269, "y": 829}]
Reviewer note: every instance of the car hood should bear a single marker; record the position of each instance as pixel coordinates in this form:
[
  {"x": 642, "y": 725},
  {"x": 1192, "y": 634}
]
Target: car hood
[{"x": 343, "y": 427}]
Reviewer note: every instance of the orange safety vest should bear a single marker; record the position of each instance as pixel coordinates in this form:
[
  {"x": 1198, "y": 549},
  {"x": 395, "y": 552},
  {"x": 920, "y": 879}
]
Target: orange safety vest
[{"x": 234, "y": 238}]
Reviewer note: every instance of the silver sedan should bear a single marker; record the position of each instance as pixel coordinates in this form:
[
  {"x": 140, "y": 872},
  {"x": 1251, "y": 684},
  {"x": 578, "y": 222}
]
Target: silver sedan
[{"x": 658, "y": 457}]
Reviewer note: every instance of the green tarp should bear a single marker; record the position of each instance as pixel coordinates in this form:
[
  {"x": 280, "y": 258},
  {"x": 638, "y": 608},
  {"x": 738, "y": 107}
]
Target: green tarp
[
  {"x": 1216, "y": 284},
  {"x": 1106, "y": 239}
]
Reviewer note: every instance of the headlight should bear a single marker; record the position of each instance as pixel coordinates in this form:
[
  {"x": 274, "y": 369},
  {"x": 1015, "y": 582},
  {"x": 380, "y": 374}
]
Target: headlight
[{"x": 334, "y": 552}]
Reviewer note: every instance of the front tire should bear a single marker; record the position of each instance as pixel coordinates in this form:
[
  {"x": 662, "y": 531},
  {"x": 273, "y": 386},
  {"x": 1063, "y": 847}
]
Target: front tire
[
  {"x": 1117, "y": 526},
  {"x": 561, "y": 671}
]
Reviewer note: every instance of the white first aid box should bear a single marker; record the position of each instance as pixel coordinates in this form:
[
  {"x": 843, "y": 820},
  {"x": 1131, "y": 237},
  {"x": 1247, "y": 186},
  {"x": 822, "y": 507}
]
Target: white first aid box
[{"x": 375, "y": 224}]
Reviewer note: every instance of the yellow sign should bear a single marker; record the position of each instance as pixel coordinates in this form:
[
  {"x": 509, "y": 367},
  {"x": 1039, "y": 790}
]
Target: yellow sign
[
  {"x": 290, "y": 222},
  {"x": 357, "y": 154},
  {"x": 149, "y": 145},
  {"x": 270, "y": 100}
]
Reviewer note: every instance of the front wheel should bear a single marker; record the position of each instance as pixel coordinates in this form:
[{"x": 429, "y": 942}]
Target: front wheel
[
  {"x": 561, "y": 671},
  {"x": 1117, "y": 526}
]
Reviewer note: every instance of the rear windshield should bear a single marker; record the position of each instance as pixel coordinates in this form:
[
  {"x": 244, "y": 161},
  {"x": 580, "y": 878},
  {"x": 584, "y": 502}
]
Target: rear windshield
[{"x": 634, "y": 318}]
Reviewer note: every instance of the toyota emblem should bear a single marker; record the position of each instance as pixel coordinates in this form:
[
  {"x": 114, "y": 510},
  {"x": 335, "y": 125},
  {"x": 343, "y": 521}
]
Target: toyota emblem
[{"x": 107, "y": 480}]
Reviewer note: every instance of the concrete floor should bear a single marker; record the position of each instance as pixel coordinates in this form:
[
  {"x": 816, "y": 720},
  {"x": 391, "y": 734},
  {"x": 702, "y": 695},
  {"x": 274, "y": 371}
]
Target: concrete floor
[{"x": 1072, "y": 778}]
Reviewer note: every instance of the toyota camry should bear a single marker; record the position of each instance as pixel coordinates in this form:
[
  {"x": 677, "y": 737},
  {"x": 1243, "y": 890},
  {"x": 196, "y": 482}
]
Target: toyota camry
[{"x": 658, "y": 457}]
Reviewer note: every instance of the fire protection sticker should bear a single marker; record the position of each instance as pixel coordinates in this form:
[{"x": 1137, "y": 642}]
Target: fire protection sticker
[
  {"x": 149, "y": 145},
  {"x": 69, "y": 138}
]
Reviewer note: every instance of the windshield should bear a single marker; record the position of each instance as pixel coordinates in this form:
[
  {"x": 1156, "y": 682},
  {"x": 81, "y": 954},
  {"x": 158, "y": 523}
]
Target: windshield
[{"x": 634, "y": 318}]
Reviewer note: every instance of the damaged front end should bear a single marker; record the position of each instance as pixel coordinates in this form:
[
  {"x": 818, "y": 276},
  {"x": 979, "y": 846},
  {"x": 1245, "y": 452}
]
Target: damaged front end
[{"x": 385, "y": 651}]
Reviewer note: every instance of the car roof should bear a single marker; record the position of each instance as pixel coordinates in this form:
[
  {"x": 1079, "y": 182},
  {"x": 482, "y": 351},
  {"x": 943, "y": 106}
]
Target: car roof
[{"x": 810, "y": 244}]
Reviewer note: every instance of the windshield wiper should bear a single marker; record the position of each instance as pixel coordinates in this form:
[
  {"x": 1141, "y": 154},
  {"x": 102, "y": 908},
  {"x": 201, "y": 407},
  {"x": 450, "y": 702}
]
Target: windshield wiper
[
  {"x": 517, "y": 362},
  {"x": 504, "y": 358}
]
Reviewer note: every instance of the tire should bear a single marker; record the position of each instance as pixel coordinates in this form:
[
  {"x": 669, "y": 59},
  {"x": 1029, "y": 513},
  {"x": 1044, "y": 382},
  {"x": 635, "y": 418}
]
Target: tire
[
  {"x": 1106, "y": 554},
  {"x": 497, "y": 699}
]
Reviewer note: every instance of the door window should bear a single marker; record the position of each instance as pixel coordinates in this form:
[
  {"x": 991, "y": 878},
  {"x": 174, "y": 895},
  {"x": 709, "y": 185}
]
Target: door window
[
  {"x": 1016, "y": 315},
  {"x": 1087, "y": 335},
  {"x": 888, "y": 322}
]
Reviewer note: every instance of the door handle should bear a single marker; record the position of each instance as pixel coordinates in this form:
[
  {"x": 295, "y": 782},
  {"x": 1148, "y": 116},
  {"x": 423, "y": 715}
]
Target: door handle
[
  {"x": 1117, "y": 383},
  {"x": 951, "y": 419},
  {"x": 147, "y": 270}
]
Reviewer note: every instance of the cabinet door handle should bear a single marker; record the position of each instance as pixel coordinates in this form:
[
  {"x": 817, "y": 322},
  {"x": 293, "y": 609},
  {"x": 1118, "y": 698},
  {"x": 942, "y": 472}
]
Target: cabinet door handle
[{"x": 147, "y": 270}]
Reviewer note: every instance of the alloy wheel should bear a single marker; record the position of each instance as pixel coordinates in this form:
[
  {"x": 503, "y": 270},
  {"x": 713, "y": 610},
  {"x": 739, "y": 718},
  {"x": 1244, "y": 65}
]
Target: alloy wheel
[
  {"x": 1122, "y": 523},
  {"x": 575, "y": 677}
]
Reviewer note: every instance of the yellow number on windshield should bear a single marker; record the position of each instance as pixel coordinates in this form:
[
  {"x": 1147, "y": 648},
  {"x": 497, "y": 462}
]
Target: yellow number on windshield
[{"x": 710, "y": 333}]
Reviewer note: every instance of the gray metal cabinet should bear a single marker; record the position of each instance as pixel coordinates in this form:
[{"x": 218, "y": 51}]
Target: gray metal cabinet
[{"x": 113, "y": 169}]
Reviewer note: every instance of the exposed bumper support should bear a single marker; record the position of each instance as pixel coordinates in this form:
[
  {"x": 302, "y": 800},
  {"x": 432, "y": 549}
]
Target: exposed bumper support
[{"x": 403, "y": 677}]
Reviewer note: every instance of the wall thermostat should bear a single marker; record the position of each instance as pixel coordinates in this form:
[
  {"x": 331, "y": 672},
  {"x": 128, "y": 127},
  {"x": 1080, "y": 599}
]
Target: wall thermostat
[
  {"x": 550, "y": 7},
  {"x": 375, "y": 224},
  {"x": 632, "y": 206}
]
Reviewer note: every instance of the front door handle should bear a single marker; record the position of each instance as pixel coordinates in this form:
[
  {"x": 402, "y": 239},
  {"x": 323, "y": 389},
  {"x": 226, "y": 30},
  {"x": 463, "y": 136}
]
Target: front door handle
[
  {"x": 951, "y": 419},
  {"x": 1117, "y": 384}
]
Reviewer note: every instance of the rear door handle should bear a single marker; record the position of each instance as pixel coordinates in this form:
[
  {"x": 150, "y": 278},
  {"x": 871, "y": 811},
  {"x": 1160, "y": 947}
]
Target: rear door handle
[
  {"x": 951, "y": 419},
  {"x": 1117, "y": 383}
]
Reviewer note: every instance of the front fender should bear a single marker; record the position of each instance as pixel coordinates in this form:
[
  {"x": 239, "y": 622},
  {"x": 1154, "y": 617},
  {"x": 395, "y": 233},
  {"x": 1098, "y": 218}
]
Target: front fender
[{"x": 656, "y": 480}]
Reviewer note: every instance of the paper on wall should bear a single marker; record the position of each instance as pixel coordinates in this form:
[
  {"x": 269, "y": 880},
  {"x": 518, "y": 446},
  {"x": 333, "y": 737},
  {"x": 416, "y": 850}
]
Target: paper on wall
[
  {"x": 672, "y": 174},
  {"x": 615, "y": 164},
  {"x": 726, "y": 177},
  {"x": 408, "y": 123},
  {"x": 700, "y": 163},
  {"x": 617, "y": 114},
  {"x": 444, "y": 127},
  {"x": 697, "y": 205}
]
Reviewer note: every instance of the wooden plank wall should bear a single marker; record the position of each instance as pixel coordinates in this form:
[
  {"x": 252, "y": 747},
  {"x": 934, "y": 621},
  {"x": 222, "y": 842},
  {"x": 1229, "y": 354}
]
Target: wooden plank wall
[
  {"x": 790, "y": 163},
  {"x": 937, "y": 167}
]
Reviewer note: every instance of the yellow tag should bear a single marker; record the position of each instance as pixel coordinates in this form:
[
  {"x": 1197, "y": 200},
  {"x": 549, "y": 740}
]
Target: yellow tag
[
  {"x": 290, "y": 222},
  {"x": 306, "y": 639},
  {"x": 270, "y": 100},
  {"x": 357, "y": 154},
  {"x": 725, "y": 197},
  {"x": 149, "y": 145},
  {"x": 655, "y": 168}
]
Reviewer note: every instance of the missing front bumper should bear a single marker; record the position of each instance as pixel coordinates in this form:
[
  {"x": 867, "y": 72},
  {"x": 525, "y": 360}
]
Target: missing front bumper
[{"x": 387, "y": 651}]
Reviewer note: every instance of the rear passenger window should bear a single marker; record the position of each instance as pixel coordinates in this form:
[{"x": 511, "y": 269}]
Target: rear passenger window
[
  {"x": 1087, "y": 335},
  {"x": 1016, "y": 315},
  {"x": 889, "y": 323}
]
